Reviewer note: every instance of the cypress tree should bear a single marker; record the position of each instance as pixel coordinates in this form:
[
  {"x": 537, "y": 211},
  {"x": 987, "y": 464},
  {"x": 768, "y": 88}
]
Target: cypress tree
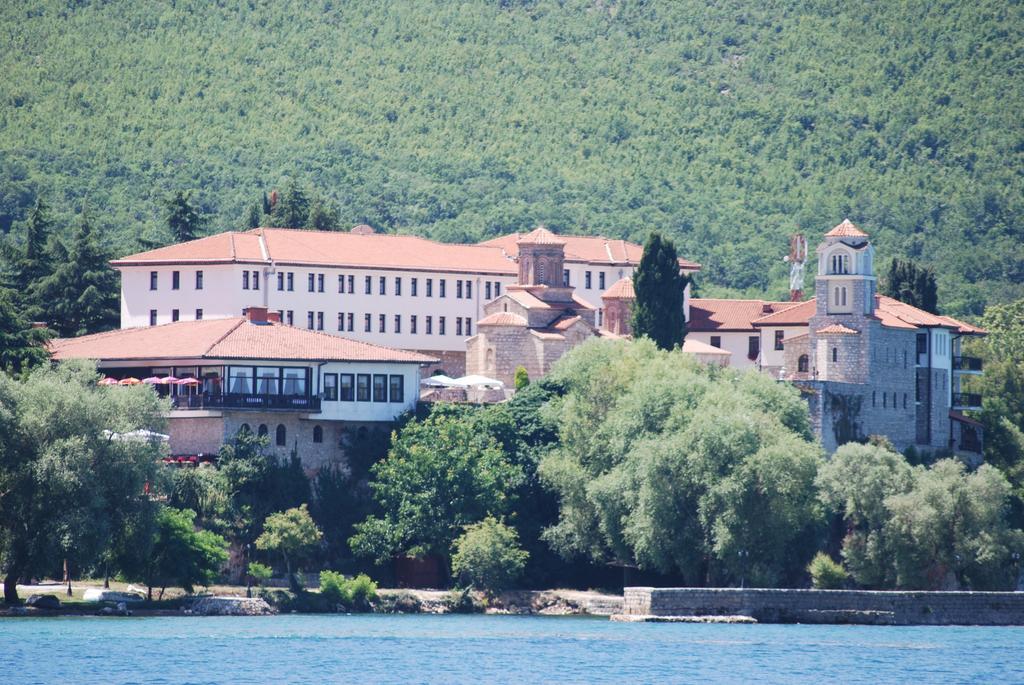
[
  {"x": 255, "y": 218},
  {"x": 291, "y": 209},
  {"x": 81, "y": 294},
  {"x": 21, "y": 346},
  {"x": 658, "y": 310},
  {"x": 183, "y": 218},
  {"x": 912, "y": 284},
  {"x": 32, "y": 263}
]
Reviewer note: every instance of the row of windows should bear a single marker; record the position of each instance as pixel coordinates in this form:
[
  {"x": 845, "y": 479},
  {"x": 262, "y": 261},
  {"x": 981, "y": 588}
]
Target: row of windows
[
  {"x": 886, "y": 403},
  {"x": 175, "y": 315},
  {"x": 281, "y": 433},
  {"x": 588, "y": 281},
  {"x": 364, "y": 387},
  {"x": 154, "y": 280},
  {"x": 347, "y": 284},
  {"x": 346, "y": 322}
]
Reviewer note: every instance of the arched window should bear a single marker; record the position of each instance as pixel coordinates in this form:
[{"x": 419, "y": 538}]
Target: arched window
[
  {"x": 835, "y": 354},
  {"x": 282, "y": 435},
  {"x": 318, "y": 434},
  {"x": 802, "y": 363},
  {"x": 244, "y": 428},
  {"x": 541, "y": 269},
  {"x": 262, "y": 430},
  {"x": 840, "y": 264}
]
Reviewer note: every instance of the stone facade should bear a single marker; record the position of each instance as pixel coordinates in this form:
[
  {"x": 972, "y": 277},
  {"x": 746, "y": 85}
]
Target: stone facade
[
  {"x": 452, "y": 364},
  {"x": 830, "y": 606}
]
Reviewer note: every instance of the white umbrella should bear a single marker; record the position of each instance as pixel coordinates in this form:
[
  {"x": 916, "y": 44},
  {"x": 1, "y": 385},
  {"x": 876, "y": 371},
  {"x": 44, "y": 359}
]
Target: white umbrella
[
  {"x": 477, "y": 381},
  {"x": 140, "y": 435},
  {"x": 438, "y": 381}
]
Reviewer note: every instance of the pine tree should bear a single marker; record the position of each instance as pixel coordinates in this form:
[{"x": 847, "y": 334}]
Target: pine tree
[
  {"x": 912, "y": 284},
  {"x": 323, "y": 216},
  {"x": 32, "y": 263},
  {"x": 183, "y": 218},
  {"x": 81, "y": 294},
  {"x": 21, "y": 346},
  {"x": 291, "y": 209},
  {"x": 255, "y": 218},
  {"x": 658, "y": 310}
]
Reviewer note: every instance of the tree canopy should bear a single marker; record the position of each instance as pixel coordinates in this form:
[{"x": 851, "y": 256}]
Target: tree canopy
[
  {"x": 725, "y": 126},
  {"x": 909, "y": 282},
  {"x": 658, "y": 310}
]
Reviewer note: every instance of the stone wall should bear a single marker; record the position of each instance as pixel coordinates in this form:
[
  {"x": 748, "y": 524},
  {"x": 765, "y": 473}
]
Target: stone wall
[
  {"x": 452, "y": 364},
  {"x": 830, "y": 606}
]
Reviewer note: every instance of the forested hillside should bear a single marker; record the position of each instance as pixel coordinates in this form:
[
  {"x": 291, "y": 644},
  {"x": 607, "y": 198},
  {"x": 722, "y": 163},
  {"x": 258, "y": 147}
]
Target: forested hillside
[{"x": 727, "y": 125}]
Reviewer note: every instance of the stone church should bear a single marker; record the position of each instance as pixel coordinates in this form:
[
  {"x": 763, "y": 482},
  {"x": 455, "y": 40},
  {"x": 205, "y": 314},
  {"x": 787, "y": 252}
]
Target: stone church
[{"x": 534, "y": 322}]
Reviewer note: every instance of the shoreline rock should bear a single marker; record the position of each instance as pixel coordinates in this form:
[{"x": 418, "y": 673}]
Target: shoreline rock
[{"x": 230, "y": 606}]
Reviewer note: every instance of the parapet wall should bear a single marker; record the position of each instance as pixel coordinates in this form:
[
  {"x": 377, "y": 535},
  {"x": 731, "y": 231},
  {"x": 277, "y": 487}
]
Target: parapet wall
[{"x": 830, "y": 606}]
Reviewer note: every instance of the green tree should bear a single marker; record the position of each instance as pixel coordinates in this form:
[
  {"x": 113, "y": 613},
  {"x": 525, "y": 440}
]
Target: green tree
[
  {"x": 179, "y": 555},
  {"x": 678, "y": 467},
  {"x": 488, "y": 556},
  {"x": 81, "y": 294},
  {"x": 21, "y": 346},
  {"x": 32, "y": 262},
  {"x": 293, "y": 535},
  {"x": 255, "y": 217},
  {"x": 292, "y": 208},
  {"x": 183, "y": 219},
  {"x": 826, "y": 573},
  {"x": 522, "y": 379},
  {"x": 67, "y": 484},
  {"x": 1005, "y": 326},
  {"x": 658, "y": 309},
  {"x": 439, "y": 476},
  {"x": 323, "y": 216},
  {"x": 911, "y": 283}
]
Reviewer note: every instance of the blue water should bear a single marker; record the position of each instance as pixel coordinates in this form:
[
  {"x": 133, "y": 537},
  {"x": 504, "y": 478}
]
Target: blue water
[{"x": 498, "y": 649}]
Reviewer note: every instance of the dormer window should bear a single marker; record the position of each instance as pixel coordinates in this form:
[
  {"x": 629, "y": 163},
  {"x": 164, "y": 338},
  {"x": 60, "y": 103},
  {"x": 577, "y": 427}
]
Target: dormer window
[{"x": 840, "y": 264}]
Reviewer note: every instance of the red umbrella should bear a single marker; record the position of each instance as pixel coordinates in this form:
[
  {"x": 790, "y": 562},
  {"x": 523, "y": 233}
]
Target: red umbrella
[
  {"x": 189, "y": 381},
  {"x": 107, "y": 381},
  {"x": 152, "y": 380},
  {"x": 168, "y": 380},
  {"x": 129, "y": 381}
]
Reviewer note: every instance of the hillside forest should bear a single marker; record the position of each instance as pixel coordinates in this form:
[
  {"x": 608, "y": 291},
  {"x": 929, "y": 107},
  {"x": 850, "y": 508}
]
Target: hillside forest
[{"x": 726, "y": 126}]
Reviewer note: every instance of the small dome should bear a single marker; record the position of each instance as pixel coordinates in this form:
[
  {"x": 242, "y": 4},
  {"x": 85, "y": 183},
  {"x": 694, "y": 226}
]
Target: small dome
[{"x": 362, "y": 229}]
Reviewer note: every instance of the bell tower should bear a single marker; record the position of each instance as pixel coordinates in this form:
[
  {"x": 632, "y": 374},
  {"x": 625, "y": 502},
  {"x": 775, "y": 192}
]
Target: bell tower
[
  {"x": 846, "y": 281},
  {"x": 541, "y": 258}
]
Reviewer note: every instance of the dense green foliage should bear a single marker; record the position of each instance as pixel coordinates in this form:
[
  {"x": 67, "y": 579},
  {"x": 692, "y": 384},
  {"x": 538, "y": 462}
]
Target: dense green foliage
[
  {"x": 725, "y": 125},
  {"x": 291, "y": 534},
  {"x": 488, "y": 557},
  {"x": 909, "y": 282},
  {"x": 658, "y": 309},
  {"x": 921, "y": 528},
  {"x": 69, "y": 489},
  {"x": 353, "y": 593},
  {"x": 826, "y": 573},
  {"x": 522, "y": 378},
  {"x": 682, "y": 468},
  {"x": 21, "y": 346}
]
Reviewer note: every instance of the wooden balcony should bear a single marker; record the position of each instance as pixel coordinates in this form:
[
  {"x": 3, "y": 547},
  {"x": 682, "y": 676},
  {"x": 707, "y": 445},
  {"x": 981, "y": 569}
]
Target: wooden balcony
[{"x": 253, "y": 402}]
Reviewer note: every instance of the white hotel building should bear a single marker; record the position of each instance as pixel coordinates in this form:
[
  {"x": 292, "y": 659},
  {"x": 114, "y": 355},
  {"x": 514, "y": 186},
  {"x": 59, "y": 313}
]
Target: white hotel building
[{"x": 395, "y": 290}]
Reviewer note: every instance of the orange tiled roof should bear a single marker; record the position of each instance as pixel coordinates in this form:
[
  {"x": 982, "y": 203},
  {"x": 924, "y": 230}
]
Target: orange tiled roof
[
  {"x": 287, "y": 246},
  {"x": 540, "y": 236},
  {"x": 837, "y": 329},
  {"x": 582, "y": 248},
  {"x": 502, "y": 319},
  {"x": 232, "y": 338},
  {"x": 798, "y": 314},
  {"x": 728, "y": 315},
  {"x": 846, "y": 230},
  {"x": 621, "y": 289}
]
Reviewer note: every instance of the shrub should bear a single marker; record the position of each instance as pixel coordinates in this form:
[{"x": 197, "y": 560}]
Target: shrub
[
  {"x": 260, "y": 572},
  {"x": 522, "y": 378},
  {"x": 362, "y": 590},
  {"x": 826, "y": 574},
  {"x": 488, "y": 556},
  {"x": 335, "y": 587}
]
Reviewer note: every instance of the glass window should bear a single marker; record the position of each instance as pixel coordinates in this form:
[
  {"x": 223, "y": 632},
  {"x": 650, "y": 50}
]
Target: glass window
[
  {"x": 366, "y": 323},
  {"x": 383, "y": 285},
  {"x": 280, "y": 280},
  {"x": 319, "y": 283},
  {"x": 380, "y": 388},
  {"x": 469, "y": 326},
  {"x": 835, "y": 354},
  {"x": 351, "y": 285},
  {"x": 368, "y": 284},
  {"x": 263, "y": 430},
  {"x": 318, "y": 434},
  {"x": 309, "y": 320},
  {"x": 363, "y": 387},
  {"x": 440, "y": 285},
  {"x": 458, "y": 289},
  {"x": 199, "y": 315},
  {"x": 469, "y": 290},
  {"x": 430, "y": 325},
  {"x": 565, "y": 276},
  {"x": 319, "y": 321},
  {"x": 397, "y": 388},
  {"x": 152, "y": 317},
  {"x": 267, "y": 380},
  {"x": 341, "y": 283},
  {"x": 175, "y": 280},
  {"x": 412, "y": 286},
  {"x": 294, "y": 381},
  {"x": 600, "y": 280},
  {"x": 291, "y": 281},
  {"x": 282, "y": 435},
  {"x": 497, "y": 288},
  {"x": 802, "y": 364},
  {"x": 199, "y": 280},
  {"x": 291, "y": 317},
  {"x": 240, "y": 380},
  {"x": 458, "y": 325},
  {"x": 347, "y": 389},
  {"x": 440, "y": 325},
  {"x": 778, "y": 339},
  {"x": 412, "y": 323},
  {"x": 487, "y": 290},
  {"x": 152, "y": 280},
  {"x": 430, "y": 287},
  {"x": 175, "y": 314},
  {"x": 716, "y": 341},
  {"x": 586, "y": 280},
  {"x": 350, "y": 318},
  {"x": 331, "y": 387},
  {"x": 398, "y": 285},
  {"x": 381, "y": 323},
  {"x": 398, "y": 323},
  {"x": 753, "y": 347},
  {"x": 255, "y": 280},
  {"x": 310, "y": 282},
  {"x": 341, "y": 321}
]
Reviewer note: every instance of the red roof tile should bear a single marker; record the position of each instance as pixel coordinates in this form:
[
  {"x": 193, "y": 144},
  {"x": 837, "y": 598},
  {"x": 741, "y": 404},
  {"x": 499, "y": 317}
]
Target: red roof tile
[
  {"x": 846, "y": 230},
  {"x": 221, "y": 248},
  {"x": 232, "y": 338},
  {"x": 502, "y": 319},
  {"x": 837, "y": 329},
  {"x": 621, "y": 289},
  {"x": 540, "y": 236},
  {"x": 797, "y": 314},
  {"x": 728, "y": 315},
  {"x": 593, "y": 249}
]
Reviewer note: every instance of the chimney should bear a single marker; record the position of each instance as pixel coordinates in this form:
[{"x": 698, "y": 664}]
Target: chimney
[
  {"x": 256, "y": 315},
  {"x": 767, "y": 308},
  {"x": 274, "y": 317}
]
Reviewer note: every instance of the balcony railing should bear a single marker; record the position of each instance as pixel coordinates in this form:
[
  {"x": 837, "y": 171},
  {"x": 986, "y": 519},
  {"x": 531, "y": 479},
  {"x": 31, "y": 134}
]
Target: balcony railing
[
  {"x": 966, "y": 364},
  {"x": 305, "y": 403},
  {"x": 966, "y": 400}
]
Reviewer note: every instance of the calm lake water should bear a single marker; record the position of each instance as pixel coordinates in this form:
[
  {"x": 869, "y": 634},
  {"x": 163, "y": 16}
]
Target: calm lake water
[{"x": 493, "y": 649}]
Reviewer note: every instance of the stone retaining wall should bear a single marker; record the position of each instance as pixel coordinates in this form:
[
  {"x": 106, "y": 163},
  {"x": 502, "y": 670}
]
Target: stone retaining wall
[{"x": 830, "y": 606}]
